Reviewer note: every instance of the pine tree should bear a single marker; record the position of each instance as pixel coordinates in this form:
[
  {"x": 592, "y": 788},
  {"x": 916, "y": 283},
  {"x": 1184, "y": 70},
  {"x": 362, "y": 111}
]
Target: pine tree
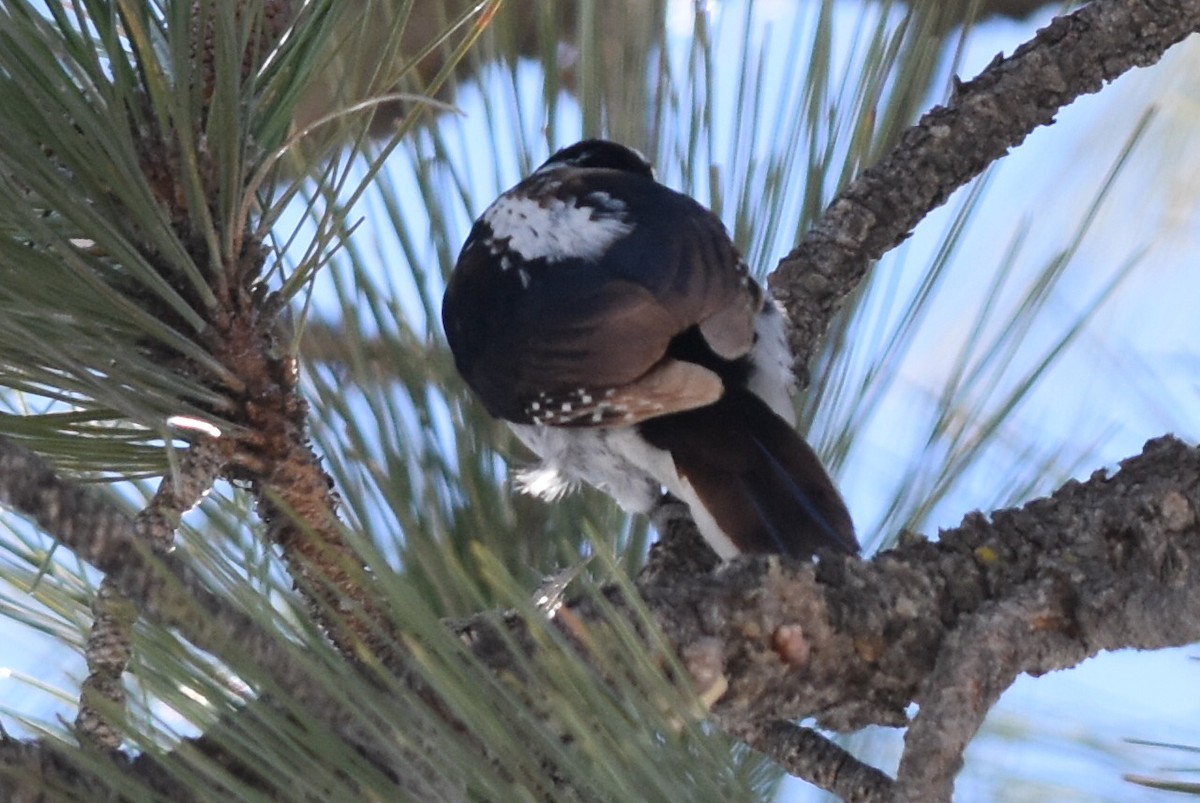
[{"x": 255, "y": 497}]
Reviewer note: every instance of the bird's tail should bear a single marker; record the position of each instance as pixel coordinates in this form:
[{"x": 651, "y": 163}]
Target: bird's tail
[{"x": 758, "y": 484}]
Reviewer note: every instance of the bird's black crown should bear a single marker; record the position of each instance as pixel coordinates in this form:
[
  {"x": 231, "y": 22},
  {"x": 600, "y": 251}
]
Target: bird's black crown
[{"x": 599, "y": 153}]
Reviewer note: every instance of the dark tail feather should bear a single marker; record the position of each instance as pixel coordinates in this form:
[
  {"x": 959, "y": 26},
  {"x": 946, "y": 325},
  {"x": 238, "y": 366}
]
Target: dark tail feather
[{"x": 762, "y": 484}]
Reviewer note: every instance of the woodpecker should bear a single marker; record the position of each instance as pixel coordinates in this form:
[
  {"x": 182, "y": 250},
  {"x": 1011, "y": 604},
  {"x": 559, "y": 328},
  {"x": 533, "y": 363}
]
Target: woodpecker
[{"x": 613, "y": 324}]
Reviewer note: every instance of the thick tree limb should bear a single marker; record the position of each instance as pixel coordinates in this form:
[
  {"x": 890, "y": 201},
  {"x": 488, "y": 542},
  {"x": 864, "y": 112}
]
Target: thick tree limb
[
  {"x": 1072, "y": 56},
  {"x": 1107, "y": 564},
  {"x": 951, "y": 145}
]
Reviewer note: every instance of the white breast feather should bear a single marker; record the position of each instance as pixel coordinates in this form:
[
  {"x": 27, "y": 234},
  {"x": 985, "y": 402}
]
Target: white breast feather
[{"x": 617, "y": 461}]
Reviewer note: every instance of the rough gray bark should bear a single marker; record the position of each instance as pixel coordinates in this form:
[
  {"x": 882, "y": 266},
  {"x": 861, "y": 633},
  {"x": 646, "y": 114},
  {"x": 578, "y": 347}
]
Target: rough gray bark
[{"x": 1110, "y": 563}]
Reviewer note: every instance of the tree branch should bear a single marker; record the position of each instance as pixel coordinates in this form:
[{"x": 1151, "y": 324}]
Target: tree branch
[
  {"x": 1107, "y": 564},
  {"x": 170, "y": 594},
  {"x": 977, "y": 663},
  {"x": 163, "y": 588},
  {"x": 1072, "y": 56},
  {"x": 807, "y": 754},
  {"x": 110, "y": 643}
]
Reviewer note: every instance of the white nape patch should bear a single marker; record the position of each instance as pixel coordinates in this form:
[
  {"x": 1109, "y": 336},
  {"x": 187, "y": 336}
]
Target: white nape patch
[
  {"x": 771, "y": 377},
  {"x": 617, "y": 461},
  {"x": 554, "y": 229}
]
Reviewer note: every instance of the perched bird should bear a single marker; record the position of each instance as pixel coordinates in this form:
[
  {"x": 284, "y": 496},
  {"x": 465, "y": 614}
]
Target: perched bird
[{"x": 612, "y": 323}]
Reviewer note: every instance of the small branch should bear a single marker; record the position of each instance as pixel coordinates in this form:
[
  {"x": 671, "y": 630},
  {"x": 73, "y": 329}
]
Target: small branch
[
  {"x": 810, "y": 756},
  {"x": 161, "y": 587},
  {"x": 297, "y": 502},
  {"x": 110, "y": 644},
  {"x": 294, "y": 494},
  {"x": 169, "y": 593},
  {"x": 179, "y": 492},
  {"x": 979, "y": 660},
  {"x": 1074, "y": 55}
]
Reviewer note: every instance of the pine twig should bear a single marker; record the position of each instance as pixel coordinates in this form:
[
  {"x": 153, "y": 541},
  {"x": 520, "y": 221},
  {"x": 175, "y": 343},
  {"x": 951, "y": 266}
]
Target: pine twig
[
  {"x": 109, "y": 646},
  {"x": 807, "y": 754}
]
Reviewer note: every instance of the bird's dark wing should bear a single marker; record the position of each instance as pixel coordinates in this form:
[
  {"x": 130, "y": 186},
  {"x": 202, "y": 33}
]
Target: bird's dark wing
[{"x": 587, "y": 339}]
